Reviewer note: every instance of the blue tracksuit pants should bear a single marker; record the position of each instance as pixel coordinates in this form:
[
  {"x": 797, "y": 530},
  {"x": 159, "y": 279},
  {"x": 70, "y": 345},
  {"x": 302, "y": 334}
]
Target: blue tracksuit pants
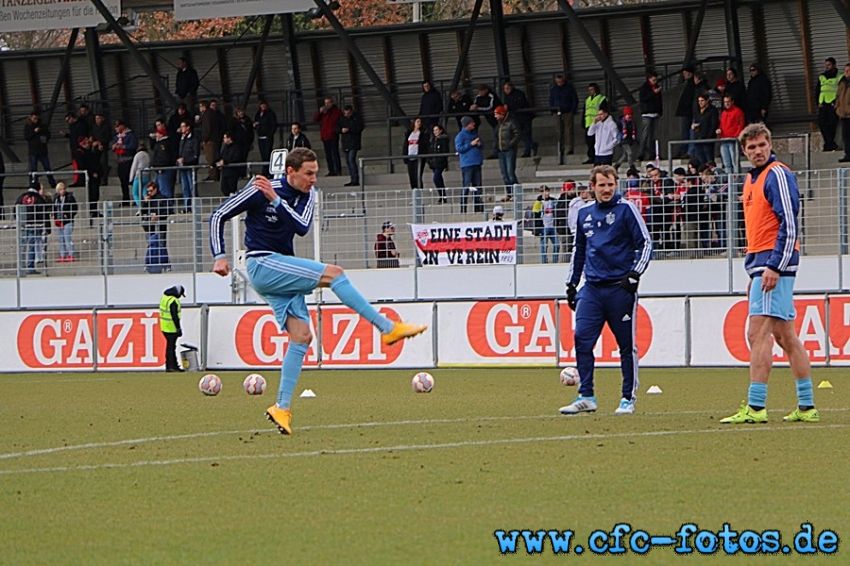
[{"x": 597, "y": 305}]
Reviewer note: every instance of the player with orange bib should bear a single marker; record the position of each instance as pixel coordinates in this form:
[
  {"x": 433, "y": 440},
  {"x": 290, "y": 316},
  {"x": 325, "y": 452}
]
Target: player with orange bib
[{"x": 771, "y": 203}]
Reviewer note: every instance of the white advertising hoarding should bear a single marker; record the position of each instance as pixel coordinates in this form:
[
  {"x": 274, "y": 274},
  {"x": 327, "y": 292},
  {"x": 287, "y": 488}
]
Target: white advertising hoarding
[
  {"x": 203, "y": 9},
  {"x": 31, "y": 15}
]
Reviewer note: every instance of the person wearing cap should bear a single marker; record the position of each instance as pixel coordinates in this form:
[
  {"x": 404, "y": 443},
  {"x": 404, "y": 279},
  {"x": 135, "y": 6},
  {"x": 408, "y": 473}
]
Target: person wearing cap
[
  {"x": 684, "y": 109},
  {"x": 826, "y": 91},
  {"x": 470, "y": 152},
  {"x": 385, "y": 251},
  {"x": 651, "y": 109},
  {"x": 508, "y": 134},
  {"x": 628, "y": 138},
  {"x": 717, "y": 93},
  {"x": 759, "y": 95},
  {"x": 498, "y": 213},
  {"x": 169, "y": 324}
]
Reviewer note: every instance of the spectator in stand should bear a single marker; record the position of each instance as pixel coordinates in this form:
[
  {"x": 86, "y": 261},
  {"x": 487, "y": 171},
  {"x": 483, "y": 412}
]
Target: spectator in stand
[
  {"x": 498, "y": 213},
  {"x": 651, "y": 109},
  {"x": 32, "y": 223},
  {"x": 592, "y": 105},
  {"x": 518, "y": 105},
  {"x": 713, "y": 219},
  {"x": 628, "y": 138},
  {"x": 415, "y": 143},
  {"x": 86, "y": 117},
  {"x": 64, "y": 211},
  {"x": 471, "y": 156},
  {"x": 124, "y": 146},
  {"x": 605, "y": 136},
  {"x": 350, "y": 128},
  {"x": 661, "y": 189},
  {"x": 583, "y": 197},
  {"x": 156, "y": 208},
  {"x": 544, "y": 211},
  {"x": 690, "y": 199},
  {"x": 139, "y": 173},
  {"x": 700, "y": 87},
  {"x": 45, "y": 229},
  {"x": 297, "y": 138},
  {"x": 230, "y": 154},
  {"x": 77, "y": 129},
  {"x": 735, "y": 87},
  {"x": 430, "y": 106},
  {"x": 684, "y": 110},
  {"x": 459, "y": 106},
  {"x": 102, "y": 133},
  {"x": 716, "y": 94},
  {"x": 759, "y": 95},
  {"x": 385, "y": 251},
  {"x": 265, "y": 122},
  {"x": 563, "y": 98},
  {"x": 439, "y": 144},
  {"x": 508, "y": 134},
  {"x": 842, "y": 110},
  {"x": 186, "y": 83},
  {"x": 485, "y": 104},
  {"x": 562, "y": 205},
  {"x": 188, "y": 156},
  {"x": 212, "y": 128},
  {"x": 164, "y": 158},
  {"x": 37, "y": 135},
  {"x": 826, "y": 90},
  {"x": 328, "y": 115},
  {"x": 732, "y": 122},
  {"x": 706, "y": 123},
  {"x": 242, "y": 129},
  {"x": 636, "y": 194},
  {"x": 181, "y": 115},
  {"x": 92, "y": 164}
]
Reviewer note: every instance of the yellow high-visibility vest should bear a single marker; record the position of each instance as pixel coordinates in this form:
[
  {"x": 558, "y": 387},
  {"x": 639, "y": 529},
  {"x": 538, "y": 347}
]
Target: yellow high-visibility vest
[
  {"x": 591, "y": 107},
  {"x": 166, "y": 323},
  {"x": 828, "y": 89}
]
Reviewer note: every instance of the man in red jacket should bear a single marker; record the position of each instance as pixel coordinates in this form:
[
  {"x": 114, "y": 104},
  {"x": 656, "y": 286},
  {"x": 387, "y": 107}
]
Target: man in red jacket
[
  {"x": 732, "y": 122},
  {"x": 328, "y": 115}
]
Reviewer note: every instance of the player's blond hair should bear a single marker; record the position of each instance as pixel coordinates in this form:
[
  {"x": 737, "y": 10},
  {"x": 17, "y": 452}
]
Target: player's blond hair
[{"x": 753, "y": 131}]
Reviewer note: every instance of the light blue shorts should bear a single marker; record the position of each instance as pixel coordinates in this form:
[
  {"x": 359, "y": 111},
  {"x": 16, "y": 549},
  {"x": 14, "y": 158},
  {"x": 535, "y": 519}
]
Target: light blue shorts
[
  {"x": 283, "y": 281},
  {"x": 778, "y": 303}
]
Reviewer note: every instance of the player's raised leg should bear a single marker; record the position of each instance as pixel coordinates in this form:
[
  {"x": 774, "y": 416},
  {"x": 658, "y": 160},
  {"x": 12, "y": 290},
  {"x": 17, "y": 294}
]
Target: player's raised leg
[{"x": 334, "y": 277}]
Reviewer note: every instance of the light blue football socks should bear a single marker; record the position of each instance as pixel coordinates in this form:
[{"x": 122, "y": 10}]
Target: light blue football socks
[
  {"x": 805, "y": 396},
  {"x": 757, "y": 395},
  {"x": 352, "y": 298},
  {"x": 293, "y": 360}
]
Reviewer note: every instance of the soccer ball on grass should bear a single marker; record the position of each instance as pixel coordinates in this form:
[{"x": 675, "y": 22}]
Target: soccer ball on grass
[
  {"x": 569, "y": 376},
  {"x": 254, "y": 384},
  {"x": 423, "y": 382},
  {"x": 210, "y": 384}
]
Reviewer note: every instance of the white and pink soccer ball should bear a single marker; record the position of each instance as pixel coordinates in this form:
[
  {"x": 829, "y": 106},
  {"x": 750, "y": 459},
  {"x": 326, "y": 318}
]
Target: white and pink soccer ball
[
  {"x": 210, "y": 384},
  {"x": 423, "y": 382},
  {"x": 569, "y": 376},
  {"x": 254, "y": 384}
]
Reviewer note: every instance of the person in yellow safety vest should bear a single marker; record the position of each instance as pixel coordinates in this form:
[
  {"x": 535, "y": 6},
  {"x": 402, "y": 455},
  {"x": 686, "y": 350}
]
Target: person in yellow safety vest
[
  {"x": 591, "y": 108},
  {"x": 169, "y": 324},
  {"x": 826, "y": 91}
]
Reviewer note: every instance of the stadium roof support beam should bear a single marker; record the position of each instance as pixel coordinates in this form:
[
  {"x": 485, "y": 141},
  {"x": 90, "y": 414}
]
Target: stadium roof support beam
[
  {"x": 806, "y": 47},
  {"x": 467, "y": 43},
  {"x": 603, "y": 61},
  {"x": 500, "y": 44},
  {"x": 841, "y": 8},
  {"x": 63, "y": 73},
  {"x": 692, "y": 44},
  {"x": 733, "y": 34},
  {"x": 361, "y": 60},
  {"x": 167, "y": 96},
  {"x": 295, "y": 69},
  {"x": 258, "y": 58}
]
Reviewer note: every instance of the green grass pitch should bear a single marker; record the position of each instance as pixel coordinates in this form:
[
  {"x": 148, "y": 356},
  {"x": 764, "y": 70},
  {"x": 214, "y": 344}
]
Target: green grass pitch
[{"x": 140, "y": 468}]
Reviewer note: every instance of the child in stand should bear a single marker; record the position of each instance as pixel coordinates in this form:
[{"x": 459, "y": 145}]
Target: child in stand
[{"x": 628, "y": 138}]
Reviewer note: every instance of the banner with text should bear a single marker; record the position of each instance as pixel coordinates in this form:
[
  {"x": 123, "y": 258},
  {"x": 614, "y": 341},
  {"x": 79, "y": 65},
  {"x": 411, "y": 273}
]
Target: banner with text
[
  {"x": 32, "y": 15},
  {"x": 469, "y": 243},
  {"x": 203, "y": 9}
]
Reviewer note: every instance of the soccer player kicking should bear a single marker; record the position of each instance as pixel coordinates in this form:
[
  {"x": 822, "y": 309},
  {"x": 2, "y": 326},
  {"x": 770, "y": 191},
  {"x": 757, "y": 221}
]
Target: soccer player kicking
[
  {"x": 771, "y": 202},
  {"x": 613, "y": 249},
  {"x": 277, "y": 210}
]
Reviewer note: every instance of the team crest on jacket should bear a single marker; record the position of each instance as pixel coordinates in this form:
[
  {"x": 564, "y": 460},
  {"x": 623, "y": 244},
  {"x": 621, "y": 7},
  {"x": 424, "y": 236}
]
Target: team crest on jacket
[{"x": 609, "y": 218}]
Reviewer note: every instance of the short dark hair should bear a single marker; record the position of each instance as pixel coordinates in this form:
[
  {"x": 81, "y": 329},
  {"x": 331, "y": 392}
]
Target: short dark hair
[
  {"x": 830, "y": 60},
  {"x": 298, "y": 156},
  {"x": 71, "y": 115},
  {"x": 348, "y": 107},
  {"x": 296, "y": 124}
]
